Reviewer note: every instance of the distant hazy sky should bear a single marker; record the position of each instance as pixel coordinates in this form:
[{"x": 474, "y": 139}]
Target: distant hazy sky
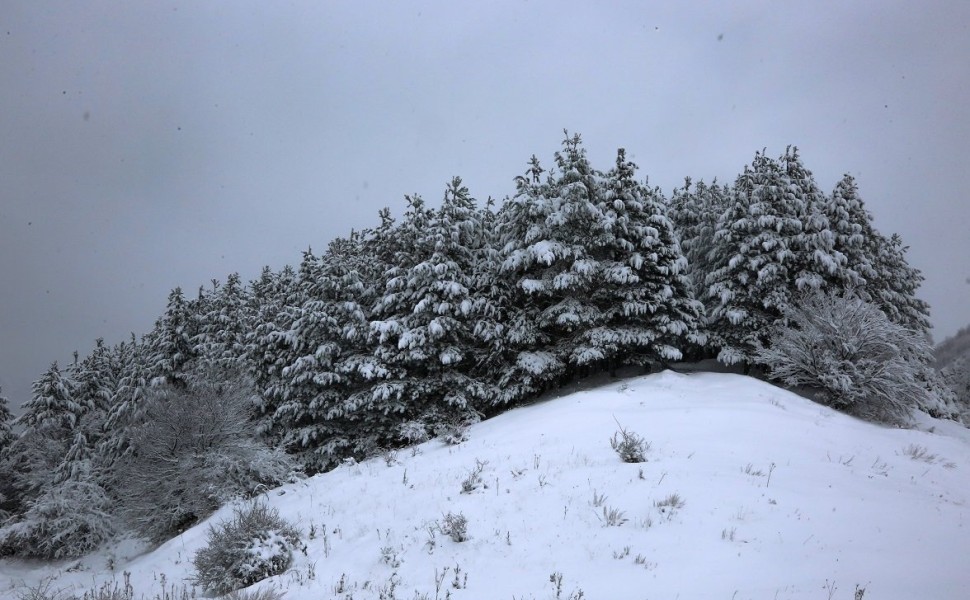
[{"x": 147, "y": 145}]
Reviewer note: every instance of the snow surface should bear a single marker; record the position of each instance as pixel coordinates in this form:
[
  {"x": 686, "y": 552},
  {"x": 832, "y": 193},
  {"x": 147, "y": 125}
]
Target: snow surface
[{"x": 782, "y": 498}]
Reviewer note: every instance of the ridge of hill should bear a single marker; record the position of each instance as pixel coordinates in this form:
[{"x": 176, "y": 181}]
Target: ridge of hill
[{"x": 749, "y": 491}]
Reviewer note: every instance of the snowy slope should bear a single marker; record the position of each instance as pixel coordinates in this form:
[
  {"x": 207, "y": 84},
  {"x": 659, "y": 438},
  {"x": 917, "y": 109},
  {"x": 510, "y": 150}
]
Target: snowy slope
[{"x": 782, "y": 498}]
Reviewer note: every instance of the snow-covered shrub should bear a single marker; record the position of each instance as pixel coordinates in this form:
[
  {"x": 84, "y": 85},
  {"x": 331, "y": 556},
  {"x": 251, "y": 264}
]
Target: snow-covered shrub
[
  {"x": 194, "y": 452},
  {"x": 255, "y": 544},
  {"x": 956, "y": 375},
  {"x": 629, "y": 446},
  {"x": 69, "y": 519},
  {"x": 848, "y": 350},
  {"x": 455, "y": 526}
]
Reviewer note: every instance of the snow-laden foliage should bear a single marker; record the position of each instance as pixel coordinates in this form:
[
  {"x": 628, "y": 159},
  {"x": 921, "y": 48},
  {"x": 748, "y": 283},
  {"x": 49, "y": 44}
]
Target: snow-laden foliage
[
  {"x": 851, "y": 353},
  {"x": 7, "y": 438},
  {"x": 695, "y": 213},
  {"x": 6, "y": 424},
  {"x": 255, "y": 544},
  {"x": 227, "y": 317},
  {"x": 877, "y": 265},
  {"x": 772, "y": 243},
  {"x": 193, "y": 452},
  {"x": 52, "y": 408},
  {"x": 70, "y": 518},
  {"x": 170, "y": 346},
  {"x": 70, "y": 514},
  {"x": 596, "y": 274}
]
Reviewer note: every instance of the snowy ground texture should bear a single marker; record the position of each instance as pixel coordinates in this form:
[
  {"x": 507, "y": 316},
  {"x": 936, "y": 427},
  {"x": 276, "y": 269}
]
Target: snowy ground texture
[{"x": 778, "y": 498}]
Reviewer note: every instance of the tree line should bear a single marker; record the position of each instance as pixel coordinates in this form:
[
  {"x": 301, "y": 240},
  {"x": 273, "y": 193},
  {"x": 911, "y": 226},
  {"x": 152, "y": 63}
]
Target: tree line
[{"x": 417, "y": 327}]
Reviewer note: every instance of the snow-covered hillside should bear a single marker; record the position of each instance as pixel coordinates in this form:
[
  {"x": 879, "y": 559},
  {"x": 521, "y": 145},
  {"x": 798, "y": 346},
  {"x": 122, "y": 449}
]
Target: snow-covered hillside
[{"x": 749, "y": 492}]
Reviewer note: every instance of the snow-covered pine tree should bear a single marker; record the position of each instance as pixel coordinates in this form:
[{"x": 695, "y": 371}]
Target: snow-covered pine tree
[
  {"x": 649, "y": 314},
  {"x": 878, "y": 264},
  {"x": 553, "y": 236},
  {"x": 8, "y": 493},
  {"x": 52, "y": 409},
  {"x": 425, "y": 323},
  {"x": 310, "y": 390},
  {"x": 49, "y": 422},
  {"x": 896, "y": 284},
  {"x": 851, "y": 225},
  {"x": 395, "y": 397},
  {"x": 96, "y": 379},
  {"x": 695, "y": 213},
  {"x": 753, "y": 250},
  {"x": 70, "y": 515},
  {"x": 170, "y": 345},
  {"x": 126, "y": 407},
  {"x": 772, "y": 243},
  {"x": 273, "y": 297},
  {"x": 6, "y": 424},
  {"x": 817, "y": 263},
  {"x": 492, "y": 303},
  {"x": 221, "y": 339}
]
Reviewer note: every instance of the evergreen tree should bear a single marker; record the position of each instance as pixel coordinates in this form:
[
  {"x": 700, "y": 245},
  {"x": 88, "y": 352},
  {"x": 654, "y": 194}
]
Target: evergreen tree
[
  {"x": 274, "y": 296},
  {"x": 645, "y": 298},
  {"x": 310, "y": 390},
  {"x": 896, "y": 283},
  {"x": 170, "y": 342},
  {"x": 96, "y": 379},
  {"x": 8, "y": 491},
  {"x": 131, "y": 362},
  {"x": 223, "y": 328},
  {"x": 553, "y": 234},
  {"x": 6, "y": 424},
  {"x": 818, "y": 264},
  {"x": 853, "y": 232},
  {"x": 772, "y": 244},
  {"x": 695, "y": 213},
  {"x": 426, "y": 329},
  {"x": 877, "y": 264},
  {"x": 52, "y": 409},
  {"x": 492, "y": 303}
]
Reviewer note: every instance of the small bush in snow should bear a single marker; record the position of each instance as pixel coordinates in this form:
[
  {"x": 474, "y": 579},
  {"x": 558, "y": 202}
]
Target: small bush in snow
[
  {"x": 455, "y": 527},
  {"x": 474, "y": 479},
  {"x": 255, "y": 544},
  {"x": 629, "y": 446},
  {"x": 852, "y": 353}
]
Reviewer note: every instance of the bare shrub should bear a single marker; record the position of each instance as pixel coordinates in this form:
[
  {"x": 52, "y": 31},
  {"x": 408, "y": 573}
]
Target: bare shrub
[
  {"x": 455, "y": 526},
  {"x": 255, "y": 544},
  {"x": 43, "y": 590},
  {"x": 473, "y": 480},
  {"x": 194, "y": 452},
  {"x": 852, "y": 353}
]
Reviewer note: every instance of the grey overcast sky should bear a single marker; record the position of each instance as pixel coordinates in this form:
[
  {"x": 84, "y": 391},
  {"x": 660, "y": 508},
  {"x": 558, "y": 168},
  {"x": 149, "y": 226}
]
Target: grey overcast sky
[{"x": 147, "y": 145}]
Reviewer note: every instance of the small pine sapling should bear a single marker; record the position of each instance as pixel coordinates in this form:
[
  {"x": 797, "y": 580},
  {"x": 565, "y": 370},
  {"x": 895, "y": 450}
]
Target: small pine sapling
[{"x": 629, "y": 446}]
